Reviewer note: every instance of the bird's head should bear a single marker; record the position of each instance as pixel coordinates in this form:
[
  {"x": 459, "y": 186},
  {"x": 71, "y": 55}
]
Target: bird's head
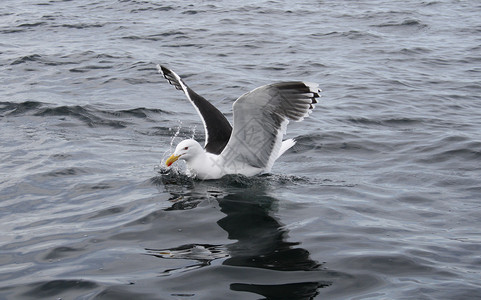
[{"x": 186, "y": 150}]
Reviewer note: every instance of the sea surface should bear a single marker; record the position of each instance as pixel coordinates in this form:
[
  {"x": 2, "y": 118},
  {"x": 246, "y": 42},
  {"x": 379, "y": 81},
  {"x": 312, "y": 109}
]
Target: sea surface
[{"x": 379, "y": 199}]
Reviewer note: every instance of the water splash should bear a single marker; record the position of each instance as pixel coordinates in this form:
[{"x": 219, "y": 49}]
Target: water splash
[{"x": 176, "y": 134}]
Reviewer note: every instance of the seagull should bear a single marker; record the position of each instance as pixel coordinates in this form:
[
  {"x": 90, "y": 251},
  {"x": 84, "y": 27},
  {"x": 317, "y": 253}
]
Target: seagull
[{"x": 254, "y": 142}]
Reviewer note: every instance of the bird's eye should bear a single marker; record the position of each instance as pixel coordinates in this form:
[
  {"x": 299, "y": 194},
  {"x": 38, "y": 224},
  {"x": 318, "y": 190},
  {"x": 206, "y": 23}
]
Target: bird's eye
[{"x": 186, "y": 148}]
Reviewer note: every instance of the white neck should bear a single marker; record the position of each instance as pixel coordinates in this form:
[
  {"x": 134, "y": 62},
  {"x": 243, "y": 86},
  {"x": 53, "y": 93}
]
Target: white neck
[{"x": 205, "y": 166}]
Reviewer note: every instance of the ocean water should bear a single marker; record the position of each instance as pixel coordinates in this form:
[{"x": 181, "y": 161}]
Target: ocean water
[{"x": 379, "y": 199}]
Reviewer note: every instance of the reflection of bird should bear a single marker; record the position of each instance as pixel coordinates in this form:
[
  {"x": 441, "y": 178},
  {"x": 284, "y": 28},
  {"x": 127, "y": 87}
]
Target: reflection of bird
[
  {"x": 265, "y": 260},
  {"x": 261, "y": 240},
  {"x": 255, "y": 142}
]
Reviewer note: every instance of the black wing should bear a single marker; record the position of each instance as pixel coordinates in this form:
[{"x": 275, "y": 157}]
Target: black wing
[{"x": 217, "y": 128}]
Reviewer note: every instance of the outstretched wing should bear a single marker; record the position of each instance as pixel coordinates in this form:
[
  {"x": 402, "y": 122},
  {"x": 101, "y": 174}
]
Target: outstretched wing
[
  {"x": 217, "y": 129},
  {"x": 260, "y": 120}
]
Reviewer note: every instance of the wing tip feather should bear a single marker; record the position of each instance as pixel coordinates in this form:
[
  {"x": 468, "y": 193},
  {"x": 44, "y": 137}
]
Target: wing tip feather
[
  {"x": 312, "y": 95},
  {"x": 171, "y": 76}
]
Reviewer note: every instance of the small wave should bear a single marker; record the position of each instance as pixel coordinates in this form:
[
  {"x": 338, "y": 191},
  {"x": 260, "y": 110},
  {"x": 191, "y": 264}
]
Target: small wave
[
  {"x": 52, "y": 288},
  {"x": 335, "y": 142},
  {"x": 415, "y": 50},
  {"x": 107, "y": 212},
  {"x": 27, "y": 58},
  {"x": 81, "y": 25},
  {"x": 389, "y": 122},
  {"x": 404, "y": 23},
  {"x": 60, "y": 252},
  {"x": 158, "y": 37},
  {"x": 11, "y": 108},
  {"x": 140, "y": 112},
  {"x": 351, "y": 34},
  {"x": 89, "y": 68},
  {"x": 12, "y": 30},
  {"x": 88, "y": 114},
  {"x": 99, "y": 60},
  {"x": 29, "y": 25},
  {"x": 66, "y": 172},
  {"x": 466, "y": 154},
  {"x": 192, "y": 12},
  {"x": 159, "y": 7},
  {"x": 452, "y": 148}
]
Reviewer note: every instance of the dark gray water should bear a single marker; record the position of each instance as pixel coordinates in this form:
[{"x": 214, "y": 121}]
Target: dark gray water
[{"x": 380, "y": 198}]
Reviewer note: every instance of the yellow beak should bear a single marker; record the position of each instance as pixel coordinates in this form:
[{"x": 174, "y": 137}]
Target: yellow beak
[{"x": 173, "y": 158}]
